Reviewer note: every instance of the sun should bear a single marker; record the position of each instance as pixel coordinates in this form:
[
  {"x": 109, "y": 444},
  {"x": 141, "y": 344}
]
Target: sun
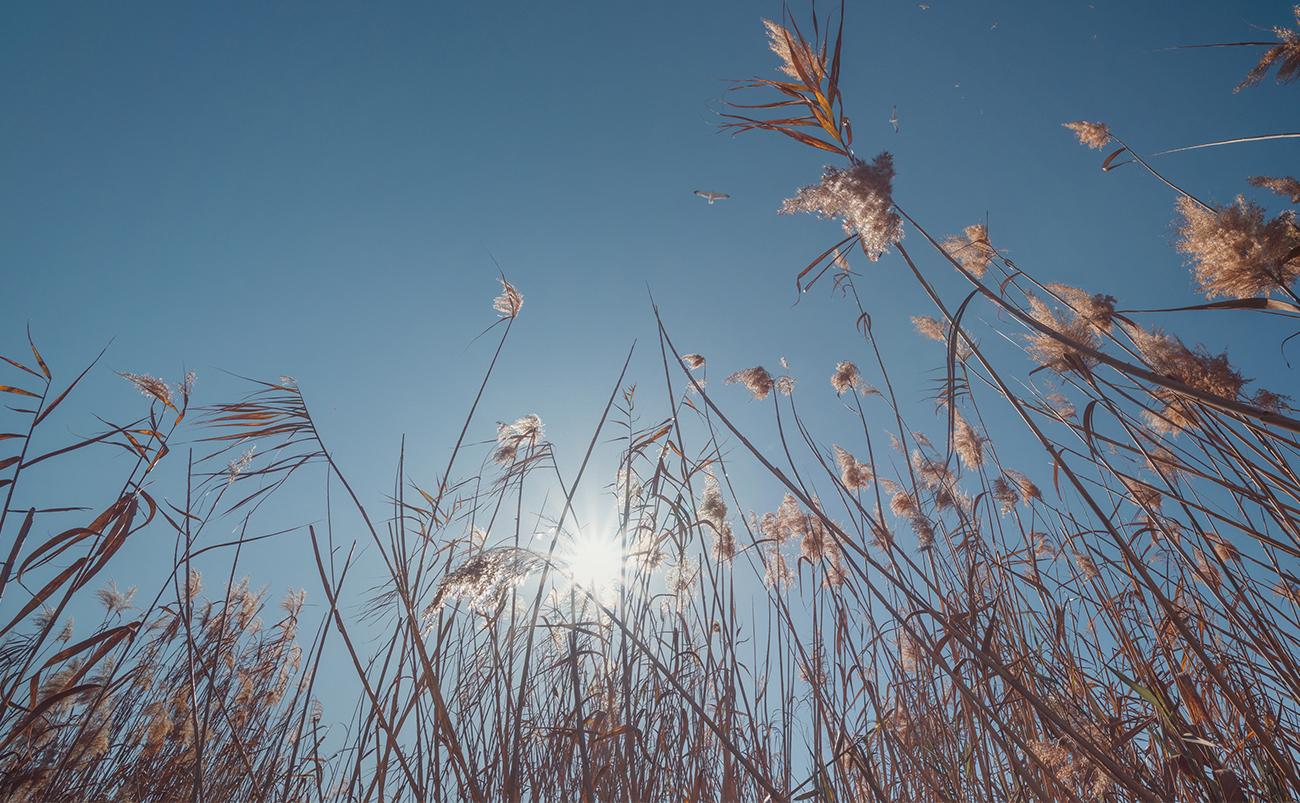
[{"x": 595, "y": 564}]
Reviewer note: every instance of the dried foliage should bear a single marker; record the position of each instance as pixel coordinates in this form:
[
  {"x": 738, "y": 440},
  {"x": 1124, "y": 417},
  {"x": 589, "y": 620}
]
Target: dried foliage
[
  {"x": 860, "y": 198},
  {"x": 1286, "y": 186},
  {"x": 1093, "y": 135},
  {"x": 1235, "y": 252},
  {"x": 756, "y": 380},
  {"x": 972, "y": 249},
  {"x": 900, "y": 619},
  {"x": 1284, "y": 56}
]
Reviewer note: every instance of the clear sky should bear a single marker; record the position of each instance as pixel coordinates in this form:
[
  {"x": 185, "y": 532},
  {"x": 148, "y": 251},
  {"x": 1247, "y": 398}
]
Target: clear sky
[{"x": 318, "y": 190}]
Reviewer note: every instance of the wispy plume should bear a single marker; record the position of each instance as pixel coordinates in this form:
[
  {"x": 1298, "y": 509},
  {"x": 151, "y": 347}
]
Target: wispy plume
[
  {"x": 861, "y": 198},
  {"x": 1286, "y": 186},
  {"x": 789, "y": 47},
  {"x": 1094, "y": 135},
  {"x": 713, "y": 510},
  {"x": 1167, "y": 355},
  {"x": 1285, "y": 55},
  {"x": 483, "y": 579},
  {"x": 853, "y": 474},
  {"x": 972, "y": 249},
  {"x": 967, "y": 443},
  {"x": 930, "y": 327},
  {"x": 150, "y": 386},
  {"x": 240, "y": 464},
  {"x": 114, "y": 600},
  {"x": 1097, "y": 309},
  {"x": 1052, "y": 353},
  {"x": 527, "y": 431},
  {"x": 509, "y": 302},
  {"x": 756, "y": 380},
  {"x": 1025, "y": 488},
  {"x": 776, "y": 571},
  {"x": 846, "y": 377},
  {"x": 1235, "y": 251}
]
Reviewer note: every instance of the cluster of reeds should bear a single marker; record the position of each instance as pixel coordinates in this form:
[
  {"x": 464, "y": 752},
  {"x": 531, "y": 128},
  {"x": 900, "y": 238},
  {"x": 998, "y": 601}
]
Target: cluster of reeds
[{"x": 1107, "y": 613}]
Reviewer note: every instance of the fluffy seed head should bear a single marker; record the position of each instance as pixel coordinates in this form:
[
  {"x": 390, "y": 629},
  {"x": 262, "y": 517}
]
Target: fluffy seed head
[
  {"x": 1286, "y": 186},
  {"x": 1235, "y": 252},
  {"x": 1285, "y": 55},
  {"x": 861, "y": 198},
  {"x": 483, "y": 579},
  {"x": 776, "y": 572},
  {"x": 834, "y": 565},
  {"x": 1097, "y": 310},
  {"x": 967, "y": 443},
  {"x": 1025, "y": 487},
  {"x": 817, "y": 540},
  {"x": 972, "y": 249},
  {"x": 724, "y": 543},
  {"x": 1167, "y": 355},
  {"x": 1270, "y": 401},
  {"x": 853, "y": 474},
  {"x": 509, "y": 302},
  {"x": 526, "y": 431},
  {"x": 1087, "y": 566},
  {"x": 846, "y": 377},
  {"x": 1094, "y": 135},
  {"x": 1141, "y": 494},
  {"x": 1041, "y": 544},
  {"x": 756, "y": 380},
  {"x": 789, "y": 520},
  {"x": 1061, "y": 405},
  {"x": 903, "y": 505},
  {"x": 924, "y": 531},
  {"x": 1223, "y": 548},
  {"x": 932, "y": 473},
  {"x": 1005, "y": 495},
  {"x": 881, "y": 536},
  {"x": 150, "y": 386},
  {"x": 113, "y": 600},
  {"x": 1163, "y": 462},
  {"x": 787, "y": 47},
  {"x": 1051, "y": 353},
  {"x": 240, "y": 464},
  {"x": 930, "y": 327},
  {"x": 1205, "y": 569},
  {"x": 713, "y": 508}
]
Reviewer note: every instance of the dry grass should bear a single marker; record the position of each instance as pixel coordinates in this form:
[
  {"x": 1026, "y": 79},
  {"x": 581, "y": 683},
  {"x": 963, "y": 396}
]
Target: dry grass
[{"x": 913, "y": 618}]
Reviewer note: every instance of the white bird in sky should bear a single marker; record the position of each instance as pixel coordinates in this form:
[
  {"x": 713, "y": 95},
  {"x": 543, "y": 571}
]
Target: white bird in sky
[
  {"x": 712, "y": 196},
  {"x": 893, "y": 118}
]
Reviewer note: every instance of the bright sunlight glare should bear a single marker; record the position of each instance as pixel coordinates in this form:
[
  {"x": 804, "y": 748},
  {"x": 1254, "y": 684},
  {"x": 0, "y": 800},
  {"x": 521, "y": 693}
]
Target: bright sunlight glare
[{"x": 595, "y": 563}]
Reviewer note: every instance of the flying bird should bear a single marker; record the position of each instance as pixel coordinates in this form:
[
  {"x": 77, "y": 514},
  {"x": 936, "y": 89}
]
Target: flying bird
[
  {"x": 893, "y": 118},
  {"x": 923, "y": 6},
  {"x": 712, "y": 196}
]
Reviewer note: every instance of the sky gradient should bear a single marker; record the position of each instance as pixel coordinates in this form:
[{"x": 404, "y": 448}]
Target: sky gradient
[{"x": 327, "y": 191}]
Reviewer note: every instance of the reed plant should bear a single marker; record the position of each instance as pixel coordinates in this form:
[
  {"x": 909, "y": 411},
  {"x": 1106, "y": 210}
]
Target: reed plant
[{"x": 1104, "y": 609}]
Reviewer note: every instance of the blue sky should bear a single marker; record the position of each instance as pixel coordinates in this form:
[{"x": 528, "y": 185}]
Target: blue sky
[
  {"x": 316, "y": 190},
  {"x": 319, "y": 190}
]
